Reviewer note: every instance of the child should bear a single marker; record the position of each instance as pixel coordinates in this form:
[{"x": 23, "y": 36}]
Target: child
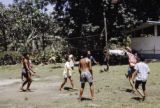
[
  {"x": 27, "y": 72},
  {"x": 132, "y": 62},
  {"x": 141, "y": 73},
  {"x": 67, "y": 73}
]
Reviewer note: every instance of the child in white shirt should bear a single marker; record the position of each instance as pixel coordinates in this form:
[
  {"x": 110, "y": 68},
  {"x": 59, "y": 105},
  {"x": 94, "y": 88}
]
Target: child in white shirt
[
  {"x": 141, "y": 74},
  {"x": 67, "y": 73}
]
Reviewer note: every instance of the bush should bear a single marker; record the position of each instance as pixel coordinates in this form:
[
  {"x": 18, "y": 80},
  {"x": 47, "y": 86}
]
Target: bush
[
  {"x": 44, "y": 57},
  {"x": 118, "y": 60},
  {"x": 9, "y": 57}
]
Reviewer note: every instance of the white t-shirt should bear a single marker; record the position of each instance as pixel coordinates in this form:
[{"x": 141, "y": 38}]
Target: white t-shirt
[
  {"x": 67, "y": 69},
  {"x": 71, "y": 60},
  {"x": 143, "y": 71}
]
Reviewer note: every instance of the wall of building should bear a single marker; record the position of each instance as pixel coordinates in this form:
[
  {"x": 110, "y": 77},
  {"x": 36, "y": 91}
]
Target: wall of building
[{"x": 149, "y": 46}]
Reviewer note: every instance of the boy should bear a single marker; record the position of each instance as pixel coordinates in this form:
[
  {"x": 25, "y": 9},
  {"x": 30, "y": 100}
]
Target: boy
[
  {"x": 86, "y": 75},
  {"x": 141, "y": 73},
  {"x": 67, "y": 73},
  {"x": 132, "y": 62},
  {"x": 27, "y": 72}
]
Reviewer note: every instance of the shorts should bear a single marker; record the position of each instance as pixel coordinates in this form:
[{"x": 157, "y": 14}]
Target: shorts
[
  {"x": 86, "y": 77},
  {"x": 138, "y": 82},
  {"x": 130, "y": 71},
  {"x": 67, "y": 74},
  {"x": 25, "y": 73},
  {"x": 106, "y": 62}
]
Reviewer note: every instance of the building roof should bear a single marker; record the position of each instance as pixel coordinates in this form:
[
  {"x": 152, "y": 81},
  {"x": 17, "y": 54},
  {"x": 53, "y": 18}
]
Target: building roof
[{"x": 142, "y": 26}]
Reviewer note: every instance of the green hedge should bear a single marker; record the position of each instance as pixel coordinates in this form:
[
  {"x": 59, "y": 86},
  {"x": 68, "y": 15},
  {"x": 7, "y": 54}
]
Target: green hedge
[
  {"x": 118, "y": 60},
  {"x": 9, "y": 57}
]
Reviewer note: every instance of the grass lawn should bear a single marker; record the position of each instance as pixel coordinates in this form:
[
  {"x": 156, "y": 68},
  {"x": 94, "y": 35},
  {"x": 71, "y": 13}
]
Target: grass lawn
[{"x": 111, "y": 89}]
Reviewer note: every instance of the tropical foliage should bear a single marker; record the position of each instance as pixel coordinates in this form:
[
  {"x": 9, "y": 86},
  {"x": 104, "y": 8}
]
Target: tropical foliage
[{"x": 78, "y": 25}]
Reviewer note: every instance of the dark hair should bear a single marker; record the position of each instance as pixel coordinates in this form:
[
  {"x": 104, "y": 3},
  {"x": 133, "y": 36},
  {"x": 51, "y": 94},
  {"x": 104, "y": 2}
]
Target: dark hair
[
  {"x": 66, "y": 57},
  {"x": 25, "y": 55},
  {"x": 142, "y": 58},
  {"x": 85, "y": 53}
]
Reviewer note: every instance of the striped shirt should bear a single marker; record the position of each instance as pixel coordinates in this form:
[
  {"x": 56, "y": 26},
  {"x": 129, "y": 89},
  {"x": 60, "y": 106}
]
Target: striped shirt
[{"x": 131, "y": 59}]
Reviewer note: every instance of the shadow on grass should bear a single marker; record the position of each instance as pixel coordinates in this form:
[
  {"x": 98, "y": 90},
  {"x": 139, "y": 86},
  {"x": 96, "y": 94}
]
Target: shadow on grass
[
  {"x": 26, "y": 91},
  {"x": 137, "y": 98},
  {"x": 129, "y": 90},
  {"x": 85, "y": 99},
  {"x": 69, "y": 89},
  {"x": 56, "y": 67}
]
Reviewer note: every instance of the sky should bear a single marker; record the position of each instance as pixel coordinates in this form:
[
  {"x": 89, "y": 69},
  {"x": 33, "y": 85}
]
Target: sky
[{"x": 7, "y": 2}]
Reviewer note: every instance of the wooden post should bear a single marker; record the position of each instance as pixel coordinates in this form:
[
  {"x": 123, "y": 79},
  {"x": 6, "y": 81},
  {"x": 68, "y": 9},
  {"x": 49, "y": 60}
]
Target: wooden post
[{"x": 155, "y": 30}]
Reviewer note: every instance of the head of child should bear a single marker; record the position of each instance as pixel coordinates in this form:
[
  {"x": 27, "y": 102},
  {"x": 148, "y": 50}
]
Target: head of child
[
  {"x": 26, "y": 56},
  {"x": 141, "y": 59},
  {"x": 67, "y": 58}
]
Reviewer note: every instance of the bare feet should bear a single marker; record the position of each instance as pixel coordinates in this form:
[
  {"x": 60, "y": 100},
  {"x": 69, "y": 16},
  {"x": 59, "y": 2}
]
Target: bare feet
[
  {"x": 126, "y": 75},
  {"x": 60, "y": 89},
  {"x": 79, "y": 98},
  {"x": 21, "y": 89},
  {"x": 143, "y": 98},
  {"x": 74, "y": 88},
  {"x": 93, "y": 98},
  {"x": 29, "y": 90}
]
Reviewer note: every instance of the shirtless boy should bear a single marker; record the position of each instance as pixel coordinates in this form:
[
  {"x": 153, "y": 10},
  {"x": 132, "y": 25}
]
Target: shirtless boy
[
  {"x": 27, "y": 72},
  {"x": 86, "y": 75}
]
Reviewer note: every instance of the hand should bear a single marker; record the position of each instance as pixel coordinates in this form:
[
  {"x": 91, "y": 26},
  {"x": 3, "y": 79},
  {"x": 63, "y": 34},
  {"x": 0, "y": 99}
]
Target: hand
[
  {"x": 33, "y": 73},
  {"x": 92, "y": 77}
]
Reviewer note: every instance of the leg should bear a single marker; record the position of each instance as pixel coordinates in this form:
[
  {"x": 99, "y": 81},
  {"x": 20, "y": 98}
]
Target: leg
[
  {"x": 131, "y": 82},
  {"x": 29, "y": 83},
  {"x": 137, "y": 87},
  {"x": 64, "y": 82},
  {"x": 128, "y": 72},
  {"x": 144, "y": 90},
  {"x": 81, "y": 90},
  {"x": 92, "y": 90},
  {"x": 24, "y": 83},
  {"x": 130, "y": 77},
  {"x": 107, "y": 66},
  {"x": 71, "y": 81}
]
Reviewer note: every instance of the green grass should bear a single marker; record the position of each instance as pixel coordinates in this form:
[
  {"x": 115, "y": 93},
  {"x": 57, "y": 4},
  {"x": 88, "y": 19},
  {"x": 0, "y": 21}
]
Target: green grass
[{"x": 110, "y": 88}]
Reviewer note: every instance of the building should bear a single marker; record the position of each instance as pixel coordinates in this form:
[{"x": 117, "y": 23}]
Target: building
[{"x": 146, "y": 39}]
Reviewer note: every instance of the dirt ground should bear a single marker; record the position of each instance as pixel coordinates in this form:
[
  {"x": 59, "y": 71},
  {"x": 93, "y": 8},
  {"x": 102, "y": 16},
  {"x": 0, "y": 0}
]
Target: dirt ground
[{"x": 112, "y": 89}]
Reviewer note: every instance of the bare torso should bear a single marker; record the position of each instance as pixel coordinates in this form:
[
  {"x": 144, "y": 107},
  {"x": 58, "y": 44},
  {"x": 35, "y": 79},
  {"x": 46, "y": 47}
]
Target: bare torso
[{"x": 85, "y": 65}]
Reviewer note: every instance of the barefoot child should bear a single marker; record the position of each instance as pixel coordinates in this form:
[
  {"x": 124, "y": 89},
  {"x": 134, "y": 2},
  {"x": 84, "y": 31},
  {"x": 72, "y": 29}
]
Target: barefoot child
[
  {"x": 86, "y": 75},
  {"x": 67, "y": 73},
  {"x": 141, "y": 74},
  {"x": 27, "y": 72}
]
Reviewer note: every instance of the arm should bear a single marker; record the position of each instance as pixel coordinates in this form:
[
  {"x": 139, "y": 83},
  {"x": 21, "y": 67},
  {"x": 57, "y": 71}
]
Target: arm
[
  {"x": 148, "y": 69},
  {"x": 73, "y": 59},
  {"x": 94, "y": 60},
  {"x": 134, "y": 75},
  {"x": 21, "y": 76},
  {"x": 28, "y": 68},
  {"x": 68, "y": 67},
  {"x": 90, "y": 68},
  {"x": 79, "y": 67}
]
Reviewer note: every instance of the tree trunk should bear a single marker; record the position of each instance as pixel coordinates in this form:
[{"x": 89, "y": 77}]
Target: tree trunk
[
  {"x": 33, "y": 46},
  {"x": 4, "y": 40}
]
